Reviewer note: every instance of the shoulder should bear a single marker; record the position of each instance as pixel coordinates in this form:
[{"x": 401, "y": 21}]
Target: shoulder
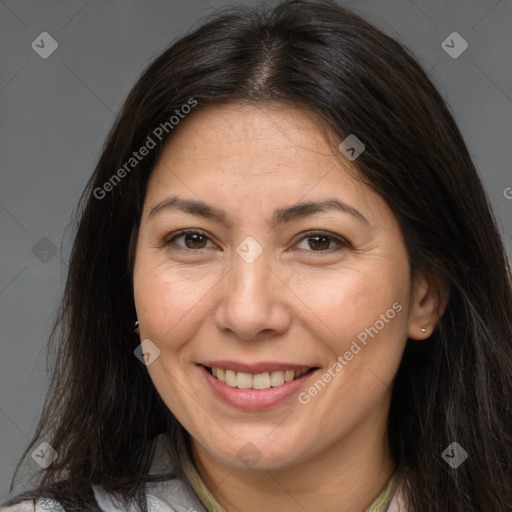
[
  {"x": 165, "y": 496},
  {"x": 169, "y": 495},
  {"x": 397, "y": 504},
  {"x": 41, "y": 505},
  {"x": 24, "y": 506}
]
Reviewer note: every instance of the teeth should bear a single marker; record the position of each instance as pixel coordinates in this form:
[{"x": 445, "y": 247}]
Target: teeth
[
  {"x": 289, "y": 375},
  {"x": 231, "y": 378},
  {"x": 276, "y": 379},
  {"x": 243, "y": 380},
  {"x": 263, "y": 380}
]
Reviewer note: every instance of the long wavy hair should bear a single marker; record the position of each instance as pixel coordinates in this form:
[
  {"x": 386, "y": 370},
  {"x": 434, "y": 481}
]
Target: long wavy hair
[{"x": 103, "y": 413}]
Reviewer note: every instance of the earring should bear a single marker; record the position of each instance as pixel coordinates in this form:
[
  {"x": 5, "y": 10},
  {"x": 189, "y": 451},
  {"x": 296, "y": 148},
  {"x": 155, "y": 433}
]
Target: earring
[
  {"x": 422, "y": 329},
  {"x": 136, "y": 329}
]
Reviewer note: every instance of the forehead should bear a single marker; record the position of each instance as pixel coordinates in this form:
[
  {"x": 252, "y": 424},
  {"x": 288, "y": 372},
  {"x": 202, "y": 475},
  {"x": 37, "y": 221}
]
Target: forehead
[
  {"x": 254, "y": 154},
  {"x": 278, "y": 125}
]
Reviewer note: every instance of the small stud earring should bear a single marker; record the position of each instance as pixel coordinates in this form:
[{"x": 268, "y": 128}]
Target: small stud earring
[
  {"x": 422, "y": 329},
  {"x": 136, "y": 329}
]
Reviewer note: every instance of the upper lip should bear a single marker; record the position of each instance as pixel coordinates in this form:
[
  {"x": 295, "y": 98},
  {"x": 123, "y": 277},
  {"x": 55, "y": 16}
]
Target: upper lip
[{"x": 270, "y": 366}]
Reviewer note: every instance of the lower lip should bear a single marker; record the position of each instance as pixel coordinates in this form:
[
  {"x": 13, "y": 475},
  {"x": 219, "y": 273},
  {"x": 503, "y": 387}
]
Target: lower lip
[{"x": 255, "y": 399}]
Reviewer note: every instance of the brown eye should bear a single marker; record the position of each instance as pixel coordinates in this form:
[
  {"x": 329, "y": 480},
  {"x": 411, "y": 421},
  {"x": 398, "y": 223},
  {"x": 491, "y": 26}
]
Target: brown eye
[
  {"x": 319, "y": 242},
  {"x": 189, "y": 240},
  {"x": 195, "y": 241}
]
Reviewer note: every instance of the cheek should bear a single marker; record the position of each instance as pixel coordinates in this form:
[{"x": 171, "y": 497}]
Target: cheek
[
  {"x": 170, "y": 300},
  {"x": 366, "y": 305},
  {"x": 362, "y": 325},
  {"x": 171, "y": 304}
]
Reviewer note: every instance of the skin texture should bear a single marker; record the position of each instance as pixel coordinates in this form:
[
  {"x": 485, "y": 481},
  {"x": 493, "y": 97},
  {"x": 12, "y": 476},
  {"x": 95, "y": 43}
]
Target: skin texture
[{"x": 295, "y": 303}]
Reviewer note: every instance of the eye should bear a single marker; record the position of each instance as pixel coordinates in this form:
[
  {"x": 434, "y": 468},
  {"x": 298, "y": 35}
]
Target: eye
[
  {"x": 312, "y": 241},
  {"x": 191, "y": 239},
  {"x": 321, "y": 241}
]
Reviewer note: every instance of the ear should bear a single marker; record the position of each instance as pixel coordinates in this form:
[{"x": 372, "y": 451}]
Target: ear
[{"x": 429, "y": 300}]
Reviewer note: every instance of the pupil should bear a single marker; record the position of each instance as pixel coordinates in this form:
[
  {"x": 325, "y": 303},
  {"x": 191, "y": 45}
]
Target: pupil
[
  {"x": 319, "y": 242},
  {"x": 194, "y": 241}
]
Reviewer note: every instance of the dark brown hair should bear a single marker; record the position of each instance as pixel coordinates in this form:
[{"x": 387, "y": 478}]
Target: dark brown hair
[{"x": 102, "y": 412}]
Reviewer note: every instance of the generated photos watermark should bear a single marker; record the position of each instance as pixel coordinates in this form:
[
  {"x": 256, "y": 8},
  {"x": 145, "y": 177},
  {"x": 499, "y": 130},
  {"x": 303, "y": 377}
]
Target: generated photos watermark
[
  {"x": 249, "y": 455},
  {"x": 159, "y": 133},
  {"x": 249, "y": 249},
  {"x": 342, "y": 361},
  {"x": 351, "y": 147},
  {"x": 454, "y": 455},
  {"x": 147, "y": 352},
  {"x": 44, "y": 455},
  {"x": 454, "y": 45}
]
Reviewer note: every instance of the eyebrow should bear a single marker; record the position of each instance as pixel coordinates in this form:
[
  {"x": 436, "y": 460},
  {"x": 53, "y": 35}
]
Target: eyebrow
[{"x": 280, "y": 216}]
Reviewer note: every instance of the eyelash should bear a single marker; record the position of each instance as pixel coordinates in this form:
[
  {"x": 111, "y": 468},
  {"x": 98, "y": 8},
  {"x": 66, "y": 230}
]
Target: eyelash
[{"x": 308, "y": 234}]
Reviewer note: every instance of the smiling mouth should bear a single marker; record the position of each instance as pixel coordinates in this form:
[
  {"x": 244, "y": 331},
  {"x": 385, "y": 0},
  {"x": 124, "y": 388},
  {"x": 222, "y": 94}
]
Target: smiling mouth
[{"x": 264, "y": 380}]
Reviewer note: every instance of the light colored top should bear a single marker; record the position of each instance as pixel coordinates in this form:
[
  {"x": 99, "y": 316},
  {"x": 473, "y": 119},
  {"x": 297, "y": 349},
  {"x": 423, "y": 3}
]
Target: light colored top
[{"x": 185, "y": 496}]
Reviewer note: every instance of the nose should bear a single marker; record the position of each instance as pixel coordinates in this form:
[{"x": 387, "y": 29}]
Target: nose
[{"x": 253, "y": 302}]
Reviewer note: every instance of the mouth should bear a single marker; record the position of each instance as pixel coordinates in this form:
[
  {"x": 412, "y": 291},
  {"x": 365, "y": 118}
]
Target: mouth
[
  {"x": 256, "y": 386},
  {"x": 260, "y": 381}
]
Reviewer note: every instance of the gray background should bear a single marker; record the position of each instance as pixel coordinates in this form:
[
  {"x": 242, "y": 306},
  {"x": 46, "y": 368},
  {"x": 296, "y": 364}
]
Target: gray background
[{"x": 55, "y": 114}]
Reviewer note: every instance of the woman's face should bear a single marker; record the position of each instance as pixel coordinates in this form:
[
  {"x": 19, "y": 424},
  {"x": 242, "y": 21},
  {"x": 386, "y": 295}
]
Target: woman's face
[{"x": 290, "y": 266}]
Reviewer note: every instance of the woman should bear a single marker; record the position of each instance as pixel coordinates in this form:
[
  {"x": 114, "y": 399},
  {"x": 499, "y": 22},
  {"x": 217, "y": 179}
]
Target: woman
[{"x": 322, "y": 302}]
